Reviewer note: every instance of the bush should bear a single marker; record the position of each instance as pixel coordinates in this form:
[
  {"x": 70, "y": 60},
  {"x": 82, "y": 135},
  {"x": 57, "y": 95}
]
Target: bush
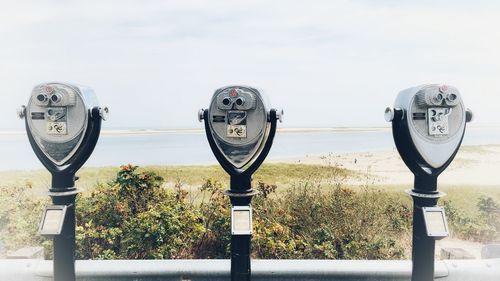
[
  {"x": 215, "y": 207},
  {"x": 490, "y": 212},
  {"x": 135, "y": 217},
  {"x": 307, "y": 222},
  {"x": 483, "y": 227},
  {"x": 20, "y": 213}
]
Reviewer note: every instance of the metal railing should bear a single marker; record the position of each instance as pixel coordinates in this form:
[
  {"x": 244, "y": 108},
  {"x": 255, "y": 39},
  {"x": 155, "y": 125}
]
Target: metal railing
[{"x": 262, "y": 270}]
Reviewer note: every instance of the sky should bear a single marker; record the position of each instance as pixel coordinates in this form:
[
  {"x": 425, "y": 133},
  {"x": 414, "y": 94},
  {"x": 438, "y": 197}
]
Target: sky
[{"x": 325, "y": 63}]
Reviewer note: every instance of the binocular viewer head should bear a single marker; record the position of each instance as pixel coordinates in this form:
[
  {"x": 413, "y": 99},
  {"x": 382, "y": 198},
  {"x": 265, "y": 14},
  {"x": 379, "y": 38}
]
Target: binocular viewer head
[
  {"x": 238, "y": 119},
  {"x": 239, "y": 123},
  {"x": 428, "y": 124},
  {"x": 58, "y": 116}
]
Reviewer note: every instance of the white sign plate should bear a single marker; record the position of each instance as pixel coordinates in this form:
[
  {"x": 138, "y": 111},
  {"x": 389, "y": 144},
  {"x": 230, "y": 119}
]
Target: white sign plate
[{"x": 241, "y": 220}]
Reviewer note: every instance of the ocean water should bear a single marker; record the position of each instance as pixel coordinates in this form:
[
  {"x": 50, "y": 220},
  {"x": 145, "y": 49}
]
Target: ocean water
[{"x": 192, "y": 148}]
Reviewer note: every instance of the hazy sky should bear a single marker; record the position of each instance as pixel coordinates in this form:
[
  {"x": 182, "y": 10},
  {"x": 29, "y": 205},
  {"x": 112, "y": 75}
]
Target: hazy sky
[{"x": 326, "y": 63}]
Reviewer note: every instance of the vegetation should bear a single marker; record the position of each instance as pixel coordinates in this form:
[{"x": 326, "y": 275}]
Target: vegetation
[
  {"x": 134, "y": 217},
  {"x": 307, "y": 212},
  {"x": 481, "y": 227},
  {"x": 189, "y": 176},
  {"x": 20, "y": 213}
]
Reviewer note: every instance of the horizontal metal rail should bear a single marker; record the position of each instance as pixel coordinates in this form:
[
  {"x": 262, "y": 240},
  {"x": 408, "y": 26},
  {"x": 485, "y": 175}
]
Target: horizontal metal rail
[{"x": 262, "y": 270}]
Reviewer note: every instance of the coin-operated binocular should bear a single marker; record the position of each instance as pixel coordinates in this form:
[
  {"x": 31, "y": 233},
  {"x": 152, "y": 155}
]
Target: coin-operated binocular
[
  {"x": 428, "y": 125},
  {"x": 240, "y": 130},
  {"x": 63, "y": 123}
]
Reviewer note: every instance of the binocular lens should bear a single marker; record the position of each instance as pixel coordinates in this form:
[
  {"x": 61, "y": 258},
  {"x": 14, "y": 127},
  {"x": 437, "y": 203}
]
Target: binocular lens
[
  {"x": 226, "y": 101},
  {"x": 55, "y": 98},
  {"x": 439, "y": 97},
  {"x": 239, "y": 101},
  {"x": 452, "y": 99},
  {"x": 435, "y": 99},
  {"x": 41, "y": 97}
]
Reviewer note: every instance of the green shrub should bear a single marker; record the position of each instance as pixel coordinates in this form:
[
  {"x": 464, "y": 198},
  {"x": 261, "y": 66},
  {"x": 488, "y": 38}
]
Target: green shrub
[
  {"x": 306, "y": 222},
  {"x": 135, "y": 217},
  {"x": 482, "y": 227},
  {"x": 138, "y": 216},
  {"x": 20, "y": 213},
  {"x": 490, "y": 211},
  {"x": 309, "y": 222},
  {"x": 215, "y": 207}
]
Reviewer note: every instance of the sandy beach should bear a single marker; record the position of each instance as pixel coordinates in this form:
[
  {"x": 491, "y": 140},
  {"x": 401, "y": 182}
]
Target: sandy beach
[{"x": 473, "y": 165}]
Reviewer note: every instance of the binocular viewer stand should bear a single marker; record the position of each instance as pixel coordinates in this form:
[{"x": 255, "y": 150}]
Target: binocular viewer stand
[
  {"x": 240, "y": 193},
  {"x": 63, "y": 194}
]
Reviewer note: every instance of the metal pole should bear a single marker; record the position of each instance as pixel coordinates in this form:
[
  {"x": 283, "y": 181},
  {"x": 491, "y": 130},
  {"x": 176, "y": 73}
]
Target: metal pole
[
  {"x": 64, "y": 244},
  {"x": 240, "y": 257},
  {"x": 241, "y": 193},
  {"x": 423, "y": 247}
]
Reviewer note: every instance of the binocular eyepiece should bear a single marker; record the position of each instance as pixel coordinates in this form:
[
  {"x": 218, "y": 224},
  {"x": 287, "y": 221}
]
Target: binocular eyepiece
[
  {"x": 42, "y": 99},
  {"x": 55, "y": 98},
  {"x": 239, "y": 101},
  {"x": 442, "y": 96},
  {"x": 236, "y": 99}
]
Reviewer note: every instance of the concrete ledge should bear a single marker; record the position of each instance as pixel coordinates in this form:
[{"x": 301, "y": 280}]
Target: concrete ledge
[
  {"x": 27, "y": 253},
  {"x": 455, "y": 254},
  {"x": 262, "y": 270},
  {"x": 491, "y": 251}
]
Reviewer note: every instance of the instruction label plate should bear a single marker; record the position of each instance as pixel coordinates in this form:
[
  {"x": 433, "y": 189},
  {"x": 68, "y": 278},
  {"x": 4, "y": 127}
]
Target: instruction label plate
[
  {"x": 438, "y": 121},
  {"x": 57, "y": 128},
  {"x": 241, "y": 220},
  {"x": 237, "y": 131}
]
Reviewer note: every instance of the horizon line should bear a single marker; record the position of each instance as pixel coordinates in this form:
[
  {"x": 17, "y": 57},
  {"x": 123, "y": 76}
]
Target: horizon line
[{"x": 298, "y": 129}]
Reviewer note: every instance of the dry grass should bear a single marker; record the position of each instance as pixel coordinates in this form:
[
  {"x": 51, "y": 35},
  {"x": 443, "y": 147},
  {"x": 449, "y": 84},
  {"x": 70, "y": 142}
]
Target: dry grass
[{"x": 280, "y": 174}]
